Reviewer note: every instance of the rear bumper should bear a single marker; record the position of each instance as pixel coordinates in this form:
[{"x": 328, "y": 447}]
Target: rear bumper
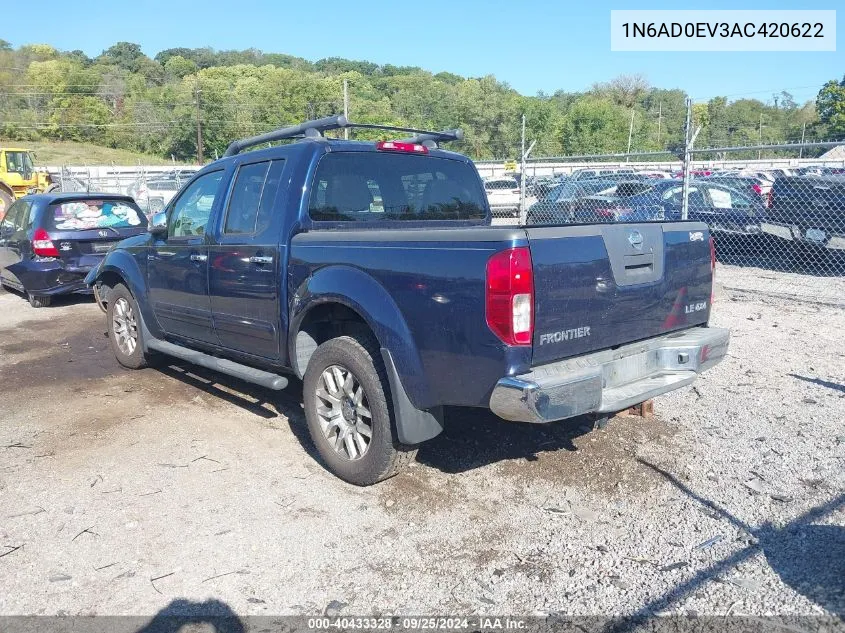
[
  {"x": 52, "y": 277},
  {"x": 793, "y": 233},
  {"x": 610, "y": 380}
]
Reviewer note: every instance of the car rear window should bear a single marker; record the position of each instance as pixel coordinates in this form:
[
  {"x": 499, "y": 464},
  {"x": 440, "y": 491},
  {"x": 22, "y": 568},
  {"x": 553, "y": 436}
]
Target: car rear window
[
  {"x": 80, "y": 215},
  {"x": 373, "y": 187}
]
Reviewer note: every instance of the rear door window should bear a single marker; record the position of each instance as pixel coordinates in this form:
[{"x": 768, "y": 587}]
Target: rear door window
[
  {"x": 253, "y": 193},
  {"x": 82, "y": 215},
  {"x": 376, "y": 186}
]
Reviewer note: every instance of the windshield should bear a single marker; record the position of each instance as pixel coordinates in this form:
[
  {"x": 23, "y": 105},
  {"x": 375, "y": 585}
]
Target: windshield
[
  {"x": 19, "y": 162},
  {"x": 80, "y": 215},
  {"x": 372, "y": 187}
]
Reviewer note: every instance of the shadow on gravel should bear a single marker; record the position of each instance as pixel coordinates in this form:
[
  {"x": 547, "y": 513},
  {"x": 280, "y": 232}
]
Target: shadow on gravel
[
  {"x": 475, "y": 437},
  {"x": 809, "y": 558},
  {"x": 822, "y": 383},
  {"x": 249, "y": 397},
  {"x": 218, "y": 615}
]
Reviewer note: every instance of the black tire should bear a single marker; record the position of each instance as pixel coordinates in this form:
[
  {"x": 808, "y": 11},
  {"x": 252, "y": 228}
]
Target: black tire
[
  {"x": 38, "y": 301},
  {"x": 384, "y": 455},
  {"x": 6, "y": 201},
  {"x": 119, "y": 298}
]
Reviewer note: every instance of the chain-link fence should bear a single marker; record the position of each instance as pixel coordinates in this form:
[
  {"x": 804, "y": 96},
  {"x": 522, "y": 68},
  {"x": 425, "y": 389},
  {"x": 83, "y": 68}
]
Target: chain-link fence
[
  {"x": 777, "y": 222},
  {"x": 152, "y": 187}
]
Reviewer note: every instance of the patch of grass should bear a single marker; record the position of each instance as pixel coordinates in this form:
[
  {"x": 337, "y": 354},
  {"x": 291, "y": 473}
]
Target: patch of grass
[{"x": 55, "y": 153}]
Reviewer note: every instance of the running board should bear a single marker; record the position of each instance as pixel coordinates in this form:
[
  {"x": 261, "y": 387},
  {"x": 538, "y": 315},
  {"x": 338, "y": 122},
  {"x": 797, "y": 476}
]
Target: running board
[{"x": 223, "y": 365}]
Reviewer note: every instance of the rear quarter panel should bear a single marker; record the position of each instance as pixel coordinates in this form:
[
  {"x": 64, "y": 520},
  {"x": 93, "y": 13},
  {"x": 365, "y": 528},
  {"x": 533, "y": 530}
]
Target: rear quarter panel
[{"x": 422, "y": 292}]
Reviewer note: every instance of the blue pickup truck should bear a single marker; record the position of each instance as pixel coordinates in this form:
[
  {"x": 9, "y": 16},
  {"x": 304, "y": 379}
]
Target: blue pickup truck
[{"x": 371, "y": 271}]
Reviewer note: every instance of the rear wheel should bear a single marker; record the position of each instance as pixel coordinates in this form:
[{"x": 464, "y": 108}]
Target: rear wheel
[
  {"x": 348, "y": 412},
  {"x": 38, "y": 301},
  {"x": 124, "y": 328}
]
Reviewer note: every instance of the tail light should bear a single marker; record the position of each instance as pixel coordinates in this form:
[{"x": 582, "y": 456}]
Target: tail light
[
  {"x": 42, "y": 245},
  {"x": 510, "y": 296},
  {"x": 757, "y": 189},
  {"x": 397, "y": 146},
  {"x": 769, "y": 198}
]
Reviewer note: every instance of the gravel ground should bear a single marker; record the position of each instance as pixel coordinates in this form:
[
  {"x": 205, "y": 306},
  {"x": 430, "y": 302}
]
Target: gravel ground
[{"x": 123, "y": 491}]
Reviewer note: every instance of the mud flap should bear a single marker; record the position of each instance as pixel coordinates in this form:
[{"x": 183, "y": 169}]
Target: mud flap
[{"x": 413, "y": 425}]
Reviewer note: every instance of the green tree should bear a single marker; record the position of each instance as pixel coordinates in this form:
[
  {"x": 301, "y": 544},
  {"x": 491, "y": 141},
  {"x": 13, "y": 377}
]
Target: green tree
[
  {"x": 830, "y": 104},
  {"x": 178, "y": 67}
]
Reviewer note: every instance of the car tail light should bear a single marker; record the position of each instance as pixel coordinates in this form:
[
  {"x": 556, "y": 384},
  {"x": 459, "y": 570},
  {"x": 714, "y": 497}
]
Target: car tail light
[
  {"x": 398, "y": 146},
  {"x": 770, "y": 198},
  {"x": 42, "y": 245},
  {"x": 612, "y": 213},
  {"x": 757, "y": 189},
  {"x": 510, "y": 296}
]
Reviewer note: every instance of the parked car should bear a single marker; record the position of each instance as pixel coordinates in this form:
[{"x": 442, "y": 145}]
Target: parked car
[
  {"x": 808, "y": 211},
  {"x": 390, "y": 312},
  {"x": 540, "y": 186},
  {"x": 724, "y": 209},
  {"x": 49, "y": 242},
  {"x": 503, "y": 195},
  {"x": 556, "y": 207},
  {"x": 758, "y": 187}
]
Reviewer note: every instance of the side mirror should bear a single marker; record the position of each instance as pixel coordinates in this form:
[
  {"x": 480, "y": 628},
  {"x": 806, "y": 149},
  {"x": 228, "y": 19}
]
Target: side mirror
[{"x": 158, "y": 226}]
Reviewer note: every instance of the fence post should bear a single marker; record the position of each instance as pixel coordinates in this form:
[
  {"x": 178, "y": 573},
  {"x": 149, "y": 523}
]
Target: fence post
[{"x": 687, "y": 159}]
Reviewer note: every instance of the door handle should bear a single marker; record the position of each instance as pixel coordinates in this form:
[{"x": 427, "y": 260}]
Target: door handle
[
  {"x": 260, "y": 259},
  {"x": 195, "y": 257}
]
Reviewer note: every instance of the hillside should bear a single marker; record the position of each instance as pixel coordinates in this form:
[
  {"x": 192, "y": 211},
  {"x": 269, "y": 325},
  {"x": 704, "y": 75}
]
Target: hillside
[{"x": 55, "y": 153}]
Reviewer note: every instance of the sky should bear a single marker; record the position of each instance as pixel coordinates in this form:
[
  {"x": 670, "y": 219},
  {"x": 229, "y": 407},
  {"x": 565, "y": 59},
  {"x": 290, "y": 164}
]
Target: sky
[{"x": 533, "y": 46}]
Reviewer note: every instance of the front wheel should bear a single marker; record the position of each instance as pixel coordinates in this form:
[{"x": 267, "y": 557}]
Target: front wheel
[
  {"x": 348, "y": 412},
  {"x": 124, "y": 328}
]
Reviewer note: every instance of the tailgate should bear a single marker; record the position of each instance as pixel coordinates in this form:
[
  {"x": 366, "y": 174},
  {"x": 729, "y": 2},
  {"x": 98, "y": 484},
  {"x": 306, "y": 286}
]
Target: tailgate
[
  {"x": 83, "y": 248},
  {"x": 599, "y": 286}
]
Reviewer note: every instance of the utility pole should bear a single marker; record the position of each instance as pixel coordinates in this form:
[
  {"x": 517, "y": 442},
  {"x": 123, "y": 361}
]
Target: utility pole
[
  {"x": 630, "y": 133},
  {"x": 199, "y": 128},
  {"x": 345, "y": 107},
  {"x": 659, "y": 122},
  {"x": 803, "y": 131},
  {"x": 759, "y": 151}
]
